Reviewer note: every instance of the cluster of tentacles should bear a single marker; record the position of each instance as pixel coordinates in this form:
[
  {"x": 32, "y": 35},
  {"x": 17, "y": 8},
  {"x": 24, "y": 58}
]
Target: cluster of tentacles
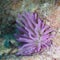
[{"x": 33, "y": 32}]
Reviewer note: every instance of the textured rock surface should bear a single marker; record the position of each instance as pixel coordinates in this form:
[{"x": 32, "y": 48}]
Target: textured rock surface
[{"x": 53, "y": 19}]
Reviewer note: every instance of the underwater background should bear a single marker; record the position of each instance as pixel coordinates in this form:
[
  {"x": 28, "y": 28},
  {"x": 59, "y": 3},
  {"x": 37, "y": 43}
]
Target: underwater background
[{"x": 49, "y": 12}]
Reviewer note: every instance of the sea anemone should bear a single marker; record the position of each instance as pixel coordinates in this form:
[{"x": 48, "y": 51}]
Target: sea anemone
[{"x": 33, "y": 32}]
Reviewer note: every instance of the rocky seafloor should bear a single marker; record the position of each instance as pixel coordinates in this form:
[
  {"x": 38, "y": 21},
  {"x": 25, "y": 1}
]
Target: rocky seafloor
[{"x": 49, "y": 12}]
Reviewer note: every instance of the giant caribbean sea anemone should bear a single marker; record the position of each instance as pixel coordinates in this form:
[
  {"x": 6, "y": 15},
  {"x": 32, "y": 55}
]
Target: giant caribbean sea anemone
[{"x": 33, "y": 32}]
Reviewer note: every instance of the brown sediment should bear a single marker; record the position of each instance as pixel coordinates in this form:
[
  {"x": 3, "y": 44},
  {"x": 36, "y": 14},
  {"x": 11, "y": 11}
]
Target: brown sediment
[
  {"x": 58, "y": 2},
  {"x": 54, "y": 18}
]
